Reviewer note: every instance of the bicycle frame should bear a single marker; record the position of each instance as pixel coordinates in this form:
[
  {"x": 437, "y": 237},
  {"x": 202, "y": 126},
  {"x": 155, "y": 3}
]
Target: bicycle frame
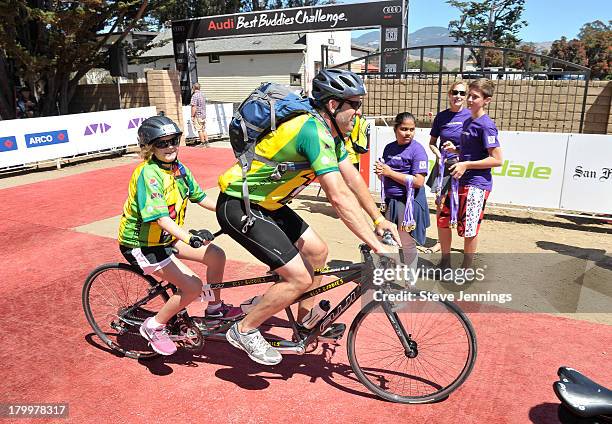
[{"x": 358, "y": 273}]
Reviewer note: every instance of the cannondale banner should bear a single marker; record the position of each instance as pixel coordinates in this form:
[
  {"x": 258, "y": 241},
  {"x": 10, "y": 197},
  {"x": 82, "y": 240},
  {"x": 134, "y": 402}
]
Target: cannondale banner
[{"x": 388, "y": 15}]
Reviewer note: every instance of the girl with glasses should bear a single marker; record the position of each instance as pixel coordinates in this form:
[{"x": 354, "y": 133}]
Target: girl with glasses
[{"x": 151, "y": 235}]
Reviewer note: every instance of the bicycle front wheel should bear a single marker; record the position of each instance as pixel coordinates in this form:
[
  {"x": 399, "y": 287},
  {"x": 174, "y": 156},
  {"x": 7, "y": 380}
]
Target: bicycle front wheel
[
  {"x": 441, "y": 354},
  {"x": 117, "y": 298}
]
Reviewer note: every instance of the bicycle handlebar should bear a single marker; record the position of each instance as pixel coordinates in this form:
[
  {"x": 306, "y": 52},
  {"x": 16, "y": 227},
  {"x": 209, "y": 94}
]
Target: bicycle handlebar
[
  {"x": 200, "y": 236},
  {"x": 387, "y": 239}
]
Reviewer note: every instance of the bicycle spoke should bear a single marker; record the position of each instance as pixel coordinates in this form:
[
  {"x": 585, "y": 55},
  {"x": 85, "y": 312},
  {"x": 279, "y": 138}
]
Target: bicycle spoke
[
  {"x": 115, "y": 288},
  {"x": 438, "y": 339}
]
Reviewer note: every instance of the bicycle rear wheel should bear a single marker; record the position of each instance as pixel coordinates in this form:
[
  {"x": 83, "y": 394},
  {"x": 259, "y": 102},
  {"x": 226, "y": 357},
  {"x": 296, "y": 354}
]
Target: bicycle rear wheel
[
  {"x": 117, "y": 298},
  {"x": 443, "y": 355}
]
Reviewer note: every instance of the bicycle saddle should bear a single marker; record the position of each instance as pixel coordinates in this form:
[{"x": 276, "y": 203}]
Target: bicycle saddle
[{"x": 581, "y": 395}]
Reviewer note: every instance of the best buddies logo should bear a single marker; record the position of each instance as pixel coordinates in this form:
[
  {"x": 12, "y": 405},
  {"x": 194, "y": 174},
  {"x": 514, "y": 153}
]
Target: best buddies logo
[{"x": 8, "y": 143}]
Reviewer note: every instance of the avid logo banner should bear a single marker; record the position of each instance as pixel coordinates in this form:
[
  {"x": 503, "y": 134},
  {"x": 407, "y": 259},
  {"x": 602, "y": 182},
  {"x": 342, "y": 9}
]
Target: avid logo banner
[
  {"x": 135, "y": 123},
  {"x": 46, "y": 138},
  {"x": 98, "y": 128},
  {"x": 8, "y": 143}
]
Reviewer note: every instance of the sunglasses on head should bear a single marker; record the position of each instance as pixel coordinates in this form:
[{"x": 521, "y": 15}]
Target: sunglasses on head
[
  {"x": 162, "y": 144},
  {"x": 354, "y": 104},
  {"x": 458, "y": 92}
]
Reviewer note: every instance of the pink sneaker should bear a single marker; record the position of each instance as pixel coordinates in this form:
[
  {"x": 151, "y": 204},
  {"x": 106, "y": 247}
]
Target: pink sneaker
[
  {"x": 158, "y": 338},
  {"x": 225, "y": 312}
]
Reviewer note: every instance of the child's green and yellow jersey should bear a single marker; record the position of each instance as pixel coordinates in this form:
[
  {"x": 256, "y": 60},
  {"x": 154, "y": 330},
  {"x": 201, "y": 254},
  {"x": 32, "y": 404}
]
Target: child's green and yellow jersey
[
  {"x": 303, "y": 139},
  {"x": 155, "y": 192}
]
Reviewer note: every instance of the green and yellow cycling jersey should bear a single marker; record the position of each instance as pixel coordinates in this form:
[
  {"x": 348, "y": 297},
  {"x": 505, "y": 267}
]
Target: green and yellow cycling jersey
[
  {"x": 155, "y": 192},
  {"x": 302, "y": 139}
]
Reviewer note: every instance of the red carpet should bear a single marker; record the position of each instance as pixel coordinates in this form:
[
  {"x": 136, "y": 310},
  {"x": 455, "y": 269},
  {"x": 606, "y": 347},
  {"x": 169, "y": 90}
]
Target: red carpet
[
  {"x": 49, "y": 355},
  {"x": 76, "y": 200}
]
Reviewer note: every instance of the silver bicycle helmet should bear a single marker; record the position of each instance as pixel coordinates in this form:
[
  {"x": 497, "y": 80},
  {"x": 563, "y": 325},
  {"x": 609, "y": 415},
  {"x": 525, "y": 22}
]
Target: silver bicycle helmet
[
  {"x": 337, "y": 84},
  {"x": 156, "y": 127}
]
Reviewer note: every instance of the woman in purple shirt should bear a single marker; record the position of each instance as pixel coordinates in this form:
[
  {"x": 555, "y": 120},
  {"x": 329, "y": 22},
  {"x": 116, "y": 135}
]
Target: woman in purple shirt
[
  {"x": 447, "y": 126},
  {"x": 402, "y": 171}
]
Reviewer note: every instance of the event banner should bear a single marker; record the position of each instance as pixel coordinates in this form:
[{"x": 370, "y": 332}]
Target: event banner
[
  {"x": 390, "y": 16},
  {"x": 532, "y": 169},
  {"x": 24, "y": 141},
  {"x": 218, "y": 117},
  {"x": 588, "y": 174},
  {"x": 543, "y": 170}
]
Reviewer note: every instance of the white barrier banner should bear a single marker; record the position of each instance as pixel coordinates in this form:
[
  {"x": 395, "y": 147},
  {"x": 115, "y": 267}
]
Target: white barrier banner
[
  {"x": 588, "y": 174},
  {"x": 531, "y": 174},
  {"x": 24, "y": 141},
  {"x": 532, "y": 170},
  {"x": 218, "y": 117}
]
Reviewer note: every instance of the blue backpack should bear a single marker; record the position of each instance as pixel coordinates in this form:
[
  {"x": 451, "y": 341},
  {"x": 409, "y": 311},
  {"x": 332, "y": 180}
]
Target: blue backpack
[{"x": 260, "y": 113}]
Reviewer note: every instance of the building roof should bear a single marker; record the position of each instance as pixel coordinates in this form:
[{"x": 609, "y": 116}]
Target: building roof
[{"x": 260, "y": 43}]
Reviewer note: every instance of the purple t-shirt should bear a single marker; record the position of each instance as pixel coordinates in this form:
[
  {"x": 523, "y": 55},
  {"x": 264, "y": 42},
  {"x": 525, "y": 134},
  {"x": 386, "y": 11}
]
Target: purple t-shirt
[
  {"x": 478, "y": 135},
  {"x": 407, "y": 159},
  {"x": 448, "y": 125}
]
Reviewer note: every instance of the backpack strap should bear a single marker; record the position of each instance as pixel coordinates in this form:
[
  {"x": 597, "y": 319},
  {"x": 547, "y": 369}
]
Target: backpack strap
[
  {"x": 272, "y": 115},
  {"x": 248, "y": 218},
  {"x": 246, "y": 159}
]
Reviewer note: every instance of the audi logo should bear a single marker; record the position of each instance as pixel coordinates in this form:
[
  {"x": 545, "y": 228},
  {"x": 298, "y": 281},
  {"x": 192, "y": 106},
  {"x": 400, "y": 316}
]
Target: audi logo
[{"x": 392, "y": 9}]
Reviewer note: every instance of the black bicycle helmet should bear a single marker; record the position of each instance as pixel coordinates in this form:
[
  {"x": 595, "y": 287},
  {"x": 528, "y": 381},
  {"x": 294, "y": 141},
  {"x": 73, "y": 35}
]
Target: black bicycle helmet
[
  {"x": 338, "y": 84},
  {"x": 156, "y": 127}
]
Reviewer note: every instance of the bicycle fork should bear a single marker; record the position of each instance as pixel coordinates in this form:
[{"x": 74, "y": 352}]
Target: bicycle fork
[{"x": 410, "y": 346}]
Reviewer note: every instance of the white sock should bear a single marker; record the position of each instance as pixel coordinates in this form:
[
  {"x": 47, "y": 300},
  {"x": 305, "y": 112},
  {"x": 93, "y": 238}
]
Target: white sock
[
  {"x": 213, "y": 308},
  {"x": 154, "y": 324}
]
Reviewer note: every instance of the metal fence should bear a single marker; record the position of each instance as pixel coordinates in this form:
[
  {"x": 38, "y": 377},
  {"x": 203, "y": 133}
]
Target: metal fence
[{"x": 533, "y": 92}]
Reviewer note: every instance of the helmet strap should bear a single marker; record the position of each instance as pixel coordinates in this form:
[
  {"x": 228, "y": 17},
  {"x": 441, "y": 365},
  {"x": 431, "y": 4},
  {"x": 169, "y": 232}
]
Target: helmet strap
[
  {"x": 332, "y": 118},
  {"x": 164, "y": 164}
]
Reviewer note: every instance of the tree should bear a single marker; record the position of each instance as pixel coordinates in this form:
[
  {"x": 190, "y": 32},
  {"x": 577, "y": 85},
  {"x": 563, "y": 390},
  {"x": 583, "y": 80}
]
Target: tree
[
  {"x": 53, "y": 44},
  {"x": 519, "y": 61},
  {"x": 571, "y": 51},
  {"x": 592, "y": 48},
  {"x": 597, "y": 39},
  {"x": 161, "y": 11},
  {"x": 428, "y": 65},
  {"x": 495, "y": 21}
]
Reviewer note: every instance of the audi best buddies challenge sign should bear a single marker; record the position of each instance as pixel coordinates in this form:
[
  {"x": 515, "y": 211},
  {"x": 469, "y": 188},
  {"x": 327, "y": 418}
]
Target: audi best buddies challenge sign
[
  {"x": 304, "y": 19},
  {"x": 387, "y": 15}
]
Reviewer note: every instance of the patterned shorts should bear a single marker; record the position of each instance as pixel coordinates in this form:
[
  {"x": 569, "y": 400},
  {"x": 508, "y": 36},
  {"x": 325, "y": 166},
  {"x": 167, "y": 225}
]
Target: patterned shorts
[
  {"x": 472, "y": 202},
  {"x": 199, "y": 124}
]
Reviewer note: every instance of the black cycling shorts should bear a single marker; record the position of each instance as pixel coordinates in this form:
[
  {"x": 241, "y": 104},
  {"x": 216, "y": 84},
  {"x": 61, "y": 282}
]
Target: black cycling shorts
[{"x": 272, "y": 237}]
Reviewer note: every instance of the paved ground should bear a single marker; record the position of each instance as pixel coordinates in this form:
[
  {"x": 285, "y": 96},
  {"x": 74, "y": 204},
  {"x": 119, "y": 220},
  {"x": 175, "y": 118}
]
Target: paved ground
[{"x": 59, "y": 225}]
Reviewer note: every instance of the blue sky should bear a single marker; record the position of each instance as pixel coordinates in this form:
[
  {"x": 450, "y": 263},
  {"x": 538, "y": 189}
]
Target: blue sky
[{"x": 548, "y": 19}]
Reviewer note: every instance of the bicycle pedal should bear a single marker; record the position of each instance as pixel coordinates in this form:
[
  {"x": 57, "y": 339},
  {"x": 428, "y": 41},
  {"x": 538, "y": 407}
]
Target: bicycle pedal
[{"x": 334, "y": 332}]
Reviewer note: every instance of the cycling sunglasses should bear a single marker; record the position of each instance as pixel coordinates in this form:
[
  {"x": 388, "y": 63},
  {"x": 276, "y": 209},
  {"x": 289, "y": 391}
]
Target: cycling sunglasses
[
  {"x": 458, "y": 92},
  {"x": 354, "y": 104},
  {"x": 162, "y": 144}
]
